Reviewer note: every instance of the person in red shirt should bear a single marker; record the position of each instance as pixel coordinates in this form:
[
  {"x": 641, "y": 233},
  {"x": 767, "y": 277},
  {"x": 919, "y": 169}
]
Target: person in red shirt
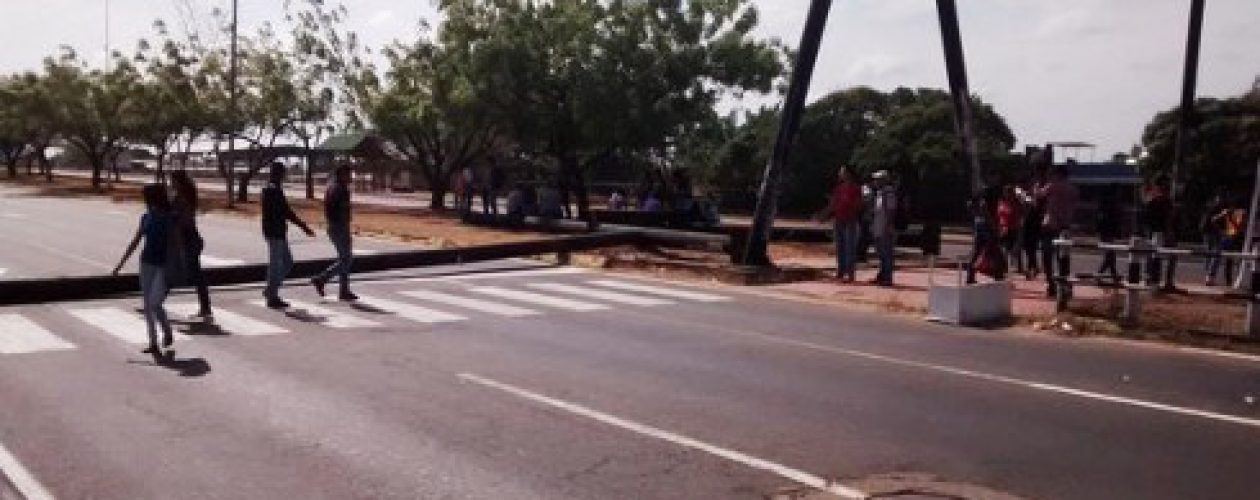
[{"x": 843, "y": 210}]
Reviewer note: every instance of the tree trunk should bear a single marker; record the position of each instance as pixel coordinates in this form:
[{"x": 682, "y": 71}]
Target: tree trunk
[
  {"x": 242, "y": 190},
  {"x": 98, "y": 164},
  {"x": 160, "y": 175},
  {"x": 571, "y": 170},
  {"x": 30, "y": 165},
  {"x": 47, "y": 166},
  {"x": 310, "y": 173},
  {"x": 12, "y": 164}
]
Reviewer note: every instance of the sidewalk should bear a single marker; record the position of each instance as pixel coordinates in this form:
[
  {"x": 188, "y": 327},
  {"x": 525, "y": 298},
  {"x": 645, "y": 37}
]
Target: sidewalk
[{"x": 909, "y": 295}]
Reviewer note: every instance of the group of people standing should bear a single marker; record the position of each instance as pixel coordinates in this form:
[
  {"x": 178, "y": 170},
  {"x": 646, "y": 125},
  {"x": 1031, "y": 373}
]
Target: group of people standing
[
  {"x": 172, "y": 246},
  {"x": 858, "y": 211},
  {"x": 1013, "y": 223}
]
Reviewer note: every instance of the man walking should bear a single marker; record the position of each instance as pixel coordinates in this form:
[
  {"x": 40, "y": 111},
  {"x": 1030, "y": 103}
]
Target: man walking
[
  {"x": 337, "y": 214},
  {"x": 883, "y": 226},
  {"x": 276, "y": 215}
]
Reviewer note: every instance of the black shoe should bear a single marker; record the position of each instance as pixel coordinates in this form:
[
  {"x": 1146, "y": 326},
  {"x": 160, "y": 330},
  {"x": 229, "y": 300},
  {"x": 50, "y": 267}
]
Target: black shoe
[
  {"x": 277, "y": 303},
  {"x": 319, "y": 285},
  {"x": 167, "y": 340},
  {"x": 347, "y": 296},
  {"x": 204, "y": 314},
  {"x": 154, "y": 351}
]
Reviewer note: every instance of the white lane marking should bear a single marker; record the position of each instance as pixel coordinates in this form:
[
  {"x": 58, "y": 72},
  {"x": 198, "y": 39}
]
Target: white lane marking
[
  {"x": 117, "y": 212},
  {"x": 332, "y": 318},
  {"x": 3, "y": 271},
  {"x": 231, "y": 322},
  {"x": 121, "y": 324},
  {"x": 211, "y": 261},
  {"x": 410, "y": 312},
  {"x": 364, "y": 251},
  {"x": 784, "y": 471},
  {"x": 1002, "y": 379},
  {"x": 519, "y": 273},
  {"x": 19, "y": 335},
  {"x": 662, "y": 291},
  {"x": 595, "y": 293},
  {"x": 13, "y": 215},
  {"x": 470, "y": 303},
  {"x": 534, "y": 298},
  {"x": 63, "y": 253},
  {"x": 28, "y": 487}
]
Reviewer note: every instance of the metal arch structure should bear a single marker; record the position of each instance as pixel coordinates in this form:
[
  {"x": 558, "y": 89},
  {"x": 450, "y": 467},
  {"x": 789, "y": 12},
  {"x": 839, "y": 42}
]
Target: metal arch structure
[{"x": 755, "y": 250}]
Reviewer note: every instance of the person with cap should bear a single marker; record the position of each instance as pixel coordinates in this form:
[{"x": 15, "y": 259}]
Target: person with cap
[{"x": 883, "y": 226}]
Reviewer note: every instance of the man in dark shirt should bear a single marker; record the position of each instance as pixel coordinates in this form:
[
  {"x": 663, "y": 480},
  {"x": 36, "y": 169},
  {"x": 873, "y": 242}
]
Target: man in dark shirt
[
  {"x": 276, "y": 215},
  {"x": 337, "y": 214}
]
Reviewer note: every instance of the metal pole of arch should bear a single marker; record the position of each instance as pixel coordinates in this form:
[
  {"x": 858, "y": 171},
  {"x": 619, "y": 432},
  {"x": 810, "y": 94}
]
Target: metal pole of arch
[
  {"x": 1185, "y": 114},
  {"x": 756, "y": 249},
  {"x": 956, "y": 69}
]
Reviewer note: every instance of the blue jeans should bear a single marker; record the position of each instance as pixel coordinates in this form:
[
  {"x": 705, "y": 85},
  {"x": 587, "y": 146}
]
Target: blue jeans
[
  {"x": 885, "y": 247},
  {"x": 341, "y": 241},
  {"x": 279, "y": 263},
  {"x": 153, "y": 286},
  {"x": 846, "y": 235}
]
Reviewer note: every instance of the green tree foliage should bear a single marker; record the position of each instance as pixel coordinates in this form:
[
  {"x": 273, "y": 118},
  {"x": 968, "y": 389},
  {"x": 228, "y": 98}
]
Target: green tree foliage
[
  {"x": 578, "y": 80},
  {"x": 90, "y": 106},
  {"x": 908, "y": 132},
  {"x": 1221, "y": 150},
  {"x": 427, "y": 105}
]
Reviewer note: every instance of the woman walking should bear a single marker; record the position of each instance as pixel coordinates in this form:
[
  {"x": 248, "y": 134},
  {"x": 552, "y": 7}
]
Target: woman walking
[
  {"x": 156, "y": 231},
  {"x": 184, "y": 208}
]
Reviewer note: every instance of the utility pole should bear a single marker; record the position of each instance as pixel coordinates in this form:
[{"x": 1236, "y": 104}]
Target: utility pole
[
  {"x": 230, "y": 170},
  {"x": 956, "y": 69},
  {"x": 756, "y": 249},
  {"x": 1185, "y": 114}
]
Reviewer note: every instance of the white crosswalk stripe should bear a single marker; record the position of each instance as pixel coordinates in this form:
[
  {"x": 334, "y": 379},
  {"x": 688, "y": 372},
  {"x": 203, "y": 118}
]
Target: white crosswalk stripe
[
  {"x": 595, "y": 293},
  {"x": 662, "y": 291},
  {"x": 539, "y": 299},
  {"x": 3, "y": 271},
  {"x": 19, "y": 335},
  {"x": 331, "y": 318},
  {"x": 231, "y": 322},
  {"x": 212, "y": 261},
  {"x": 471, "y": 303},
  {"x": 409, "y": 311},
  {"x": 126, "y": 326}
]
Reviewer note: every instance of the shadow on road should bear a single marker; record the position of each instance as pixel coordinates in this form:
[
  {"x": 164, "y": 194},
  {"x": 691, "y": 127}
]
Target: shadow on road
[
  {"x": 202, "y": 328},
  {"x": 305, "y": 316},
  {"x": 187, "y": 367},
  {"x": 359, "y": 306}
]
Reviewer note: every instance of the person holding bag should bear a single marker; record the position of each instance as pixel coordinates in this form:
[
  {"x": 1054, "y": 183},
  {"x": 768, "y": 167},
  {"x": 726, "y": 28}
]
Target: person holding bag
[{"x": 184, "y": 208}]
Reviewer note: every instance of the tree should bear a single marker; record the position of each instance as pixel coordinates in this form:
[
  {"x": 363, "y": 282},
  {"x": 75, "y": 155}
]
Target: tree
[
  {"x": 1221, "y": 151},
  {"x": 166, "y": 109},
  {"x": 89, "y": 106},
  {"x": 578, "y": 80},
  {"x": 917, "y": 141},
  {"x": 426, "y": 106}
]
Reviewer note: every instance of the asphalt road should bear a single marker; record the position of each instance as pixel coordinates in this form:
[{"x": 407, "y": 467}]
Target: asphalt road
[
  {"x": 511, "y": 380},
  {"x": 51, "y": 237}
]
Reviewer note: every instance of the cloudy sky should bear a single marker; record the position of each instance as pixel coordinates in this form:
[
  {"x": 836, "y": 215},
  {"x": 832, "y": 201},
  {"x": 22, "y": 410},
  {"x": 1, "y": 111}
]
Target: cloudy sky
[{"x": 1089, "y": 70}]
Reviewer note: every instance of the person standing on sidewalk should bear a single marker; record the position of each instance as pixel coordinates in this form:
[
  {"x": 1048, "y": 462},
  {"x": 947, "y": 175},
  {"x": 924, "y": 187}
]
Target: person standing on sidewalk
[
  {"x": 1059, "y": 197},
  {"x": 1232, "y": 220},
  {"x": 883, "y": 226},
  {"x": 1010, "y": 214},
  {"x": 984, "y": 211},
  {"x": 157, "y": 231},
  {"x": 185, "y": 214},
  {"x": 1107, "y": 223},
  {"x": 337, "y": 215},
  {"x": 276, "y": 215},
  {"x": 843, "y": 210},
  {"x": 1212, "y": 230}
]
